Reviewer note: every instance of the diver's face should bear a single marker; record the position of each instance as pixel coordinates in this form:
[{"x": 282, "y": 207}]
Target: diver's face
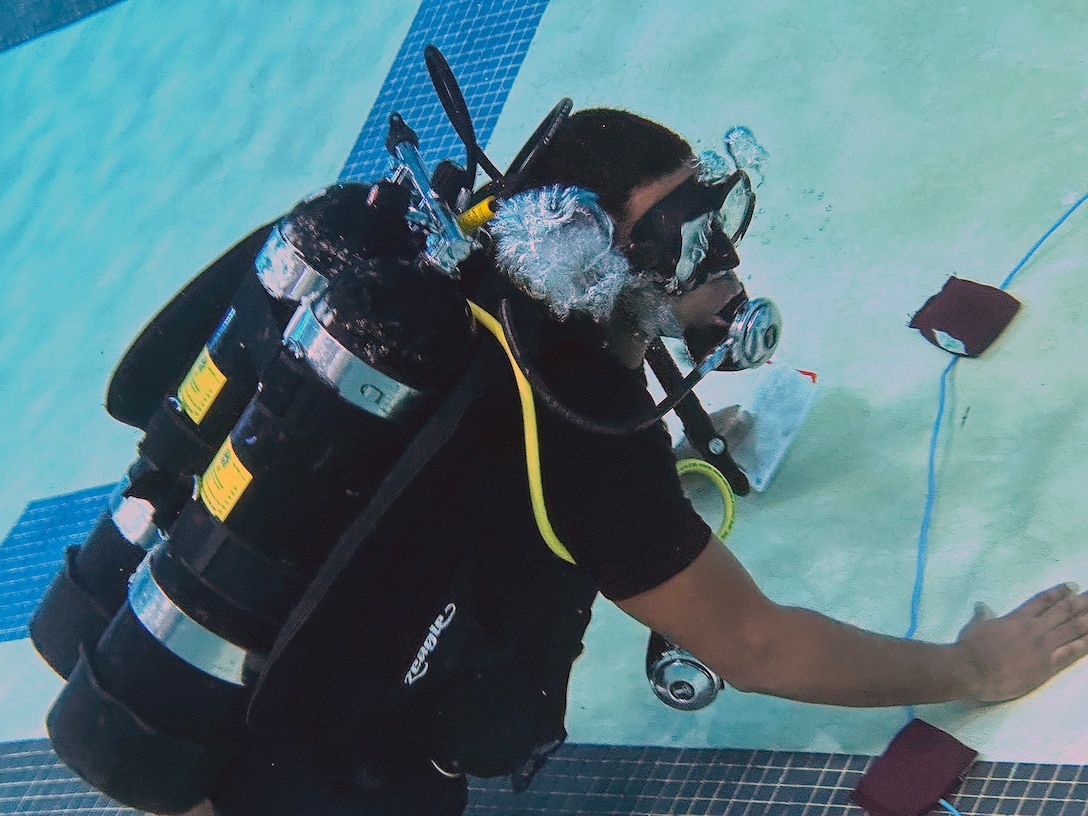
[{"x": 700, "y": 306}]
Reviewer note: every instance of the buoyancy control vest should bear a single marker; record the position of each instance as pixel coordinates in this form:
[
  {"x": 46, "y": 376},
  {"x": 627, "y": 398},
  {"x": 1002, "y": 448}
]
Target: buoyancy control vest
[{"x": 436, "y": 636}]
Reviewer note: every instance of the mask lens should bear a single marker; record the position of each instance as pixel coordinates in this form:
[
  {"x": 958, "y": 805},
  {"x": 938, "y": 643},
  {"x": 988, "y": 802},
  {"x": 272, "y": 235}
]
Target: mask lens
[
  {"x": 738, "y": 208},
  {"x": 707, "y": 255},
  {"x": 695, "y": 240}
]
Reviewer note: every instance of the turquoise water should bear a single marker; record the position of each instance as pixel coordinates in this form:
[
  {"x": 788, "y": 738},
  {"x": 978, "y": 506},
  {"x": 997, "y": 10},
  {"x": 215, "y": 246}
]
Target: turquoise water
[{"x": 907, "y": 142}]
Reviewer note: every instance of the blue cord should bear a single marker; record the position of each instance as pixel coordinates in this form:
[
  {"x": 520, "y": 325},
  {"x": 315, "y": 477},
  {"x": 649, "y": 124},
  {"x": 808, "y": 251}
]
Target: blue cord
[
  {"x": 949, "y": 807},
  {"x": 931, "y": 498},
  {"x": 931, "y": 493},
  {"x": 1039, "y": 243}
]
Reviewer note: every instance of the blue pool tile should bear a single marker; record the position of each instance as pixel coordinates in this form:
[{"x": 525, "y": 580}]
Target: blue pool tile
[
  {"x": 23, "y": 20},
  {"x": 484, "y": 43},
  {"x": 33, "y": 551}
]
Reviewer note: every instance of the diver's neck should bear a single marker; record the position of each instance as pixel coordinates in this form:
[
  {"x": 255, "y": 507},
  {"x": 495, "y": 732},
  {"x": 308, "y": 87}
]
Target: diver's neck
[{"x": 627, "y": 344}]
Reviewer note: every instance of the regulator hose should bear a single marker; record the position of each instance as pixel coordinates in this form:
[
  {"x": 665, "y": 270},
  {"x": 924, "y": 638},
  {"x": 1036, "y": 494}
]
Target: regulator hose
[
  {"x": 532, "y": 441},
  {"x": 532, "y": 451},
  {"x": 636, "y": 425}
]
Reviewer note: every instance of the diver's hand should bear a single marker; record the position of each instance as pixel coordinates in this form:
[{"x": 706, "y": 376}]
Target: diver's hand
[{"x": 1017, "y": 653}]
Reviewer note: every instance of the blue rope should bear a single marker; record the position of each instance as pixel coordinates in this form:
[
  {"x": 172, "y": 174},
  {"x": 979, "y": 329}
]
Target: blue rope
[
  {"x": 931, "y": 499},
  {"x": 949, "y": 807},
  {"x": 1039, "y": 243},
  {"x": 931, "y": 493}
]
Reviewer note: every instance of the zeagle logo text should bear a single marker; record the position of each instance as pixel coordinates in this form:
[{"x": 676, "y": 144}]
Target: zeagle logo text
[{"x": 430, "y": 643}]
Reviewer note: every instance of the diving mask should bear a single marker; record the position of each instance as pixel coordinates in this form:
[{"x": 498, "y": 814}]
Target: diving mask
[
  {"x": 689, "y": 238},
  {"x": 691, "y": 234}
]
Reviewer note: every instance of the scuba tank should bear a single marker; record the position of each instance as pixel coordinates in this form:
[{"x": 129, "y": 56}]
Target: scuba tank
[
  {"x": 155, "y": 708},
  {"x": 278, "y": 266}
]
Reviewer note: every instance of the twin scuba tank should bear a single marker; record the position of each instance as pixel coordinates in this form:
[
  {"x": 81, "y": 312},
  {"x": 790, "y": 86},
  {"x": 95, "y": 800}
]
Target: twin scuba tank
[
  {"x": 274, "y": 269},
  {"x": 346, "y": 332},
  {"x": 330, "y": 357}
]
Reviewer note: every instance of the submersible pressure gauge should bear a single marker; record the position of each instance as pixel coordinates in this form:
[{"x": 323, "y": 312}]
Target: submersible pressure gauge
[{"x": 679, "y": 679}]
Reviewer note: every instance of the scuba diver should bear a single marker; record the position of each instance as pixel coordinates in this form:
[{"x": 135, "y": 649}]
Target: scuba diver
[
  {"x": 444, "y": 646},
  {"x": 616, "y": 504}
]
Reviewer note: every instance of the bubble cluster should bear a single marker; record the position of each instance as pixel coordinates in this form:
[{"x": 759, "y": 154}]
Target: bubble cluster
[{"x": 746, "y": 153}]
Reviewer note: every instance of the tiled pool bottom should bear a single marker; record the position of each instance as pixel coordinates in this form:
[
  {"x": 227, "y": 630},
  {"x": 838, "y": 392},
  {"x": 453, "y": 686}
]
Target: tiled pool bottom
[
  {"x": 592, "y": 779},
  {"x": 584, "y": 779},
  {"x": 32, "y": 553}
]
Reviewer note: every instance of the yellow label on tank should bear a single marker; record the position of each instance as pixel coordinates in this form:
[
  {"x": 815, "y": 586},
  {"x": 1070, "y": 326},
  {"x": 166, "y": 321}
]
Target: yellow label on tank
[
  {"x": 200, "y": 387},
  {"x": 224, "y": 482}
]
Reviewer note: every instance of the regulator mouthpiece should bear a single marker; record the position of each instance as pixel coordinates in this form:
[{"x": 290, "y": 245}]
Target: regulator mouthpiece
[{"x": 755, "y": 329}]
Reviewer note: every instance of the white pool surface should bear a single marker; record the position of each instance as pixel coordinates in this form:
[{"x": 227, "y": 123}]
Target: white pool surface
[{"x": 907, "y": 141}]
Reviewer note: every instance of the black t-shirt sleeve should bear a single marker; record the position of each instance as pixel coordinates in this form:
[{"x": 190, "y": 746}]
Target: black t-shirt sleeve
[{"x": 615, "y": 501}]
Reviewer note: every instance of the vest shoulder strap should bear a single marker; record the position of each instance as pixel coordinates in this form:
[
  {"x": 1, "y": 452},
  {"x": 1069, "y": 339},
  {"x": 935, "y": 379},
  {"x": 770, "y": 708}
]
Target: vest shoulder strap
[{"x": 273, "y": 684}]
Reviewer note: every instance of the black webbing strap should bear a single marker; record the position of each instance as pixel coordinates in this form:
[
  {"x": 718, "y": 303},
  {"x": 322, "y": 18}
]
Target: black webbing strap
[
  {"x": 430, "y": 439},
  {"x": 698, "y": 426}
]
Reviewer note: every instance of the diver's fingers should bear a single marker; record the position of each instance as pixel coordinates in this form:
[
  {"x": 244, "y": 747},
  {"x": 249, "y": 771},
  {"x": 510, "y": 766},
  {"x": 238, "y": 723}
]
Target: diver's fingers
[
  {"x": 1065, "y": 656},
  {"x": 1070, "y": 608},
  {"x": 1038, "y": 604}
]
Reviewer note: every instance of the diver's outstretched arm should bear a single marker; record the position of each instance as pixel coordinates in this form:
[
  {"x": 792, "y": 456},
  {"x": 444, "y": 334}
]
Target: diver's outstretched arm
[{"x": 714, "y": 609}]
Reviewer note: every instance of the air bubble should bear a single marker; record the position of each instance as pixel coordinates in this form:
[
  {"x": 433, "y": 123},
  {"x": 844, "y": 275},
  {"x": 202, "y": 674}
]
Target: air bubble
[{"x": 748, "y": 154}]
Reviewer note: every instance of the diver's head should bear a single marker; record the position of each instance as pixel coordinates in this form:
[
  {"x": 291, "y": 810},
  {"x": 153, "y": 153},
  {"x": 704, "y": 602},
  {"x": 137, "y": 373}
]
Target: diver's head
[
  {"x": 610, "y": 153},
  {"x": 626, "y": 225}
]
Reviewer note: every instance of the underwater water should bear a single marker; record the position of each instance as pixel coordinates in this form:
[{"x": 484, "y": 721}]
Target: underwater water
[{"x": 906, "y": 142}]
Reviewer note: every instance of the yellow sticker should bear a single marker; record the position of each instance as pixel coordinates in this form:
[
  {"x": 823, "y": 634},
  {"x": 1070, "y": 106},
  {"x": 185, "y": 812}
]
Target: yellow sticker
[
  {"x": 201, "y": 386},
  {"x": 224, "y": 482}
]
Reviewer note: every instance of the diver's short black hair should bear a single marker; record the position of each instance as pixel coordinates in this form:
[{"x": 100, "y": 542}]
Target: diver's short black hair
[{"x": 609, "y": 152}]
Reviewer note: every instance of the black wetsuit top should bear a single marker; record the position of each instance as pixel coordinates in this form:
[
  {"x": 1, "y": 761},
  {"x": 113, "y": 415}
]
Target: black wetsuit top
[{"x": 495, "y": 682}]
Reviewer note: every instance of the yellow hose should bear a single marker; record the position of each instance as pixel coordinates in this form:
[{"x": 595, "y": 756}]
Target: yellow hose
[
  {"x": 532, "y": 442},
  {"x": 532, "y": 452},
  {"x": 729, "y": 501},
  {"x": 472, "y": 219}
]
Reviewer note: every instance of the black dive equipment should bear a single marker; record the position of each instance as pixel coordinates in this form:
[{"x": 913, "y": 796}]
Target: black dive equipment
[
  {"x": 678, "y": 678},
  {"x": 302, "y": 252},
  {"x": 698, "y": 426},
  {"x": 377, "y": 347},
  {"x": 457, "y": 183},
  {"x": 154, "y": 708},
  {"x": 358, "y": 368}
]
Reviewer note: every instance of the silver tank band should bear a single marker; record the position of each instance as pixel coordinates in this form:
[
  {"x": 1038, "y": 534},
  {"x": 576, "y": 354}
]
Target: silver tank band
[
  {"x": 168, "y": 624},
  {"x": 357, "y": 382},
  {"x": 283, "y": 272},
  {"x": 134, "y": 519}
]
